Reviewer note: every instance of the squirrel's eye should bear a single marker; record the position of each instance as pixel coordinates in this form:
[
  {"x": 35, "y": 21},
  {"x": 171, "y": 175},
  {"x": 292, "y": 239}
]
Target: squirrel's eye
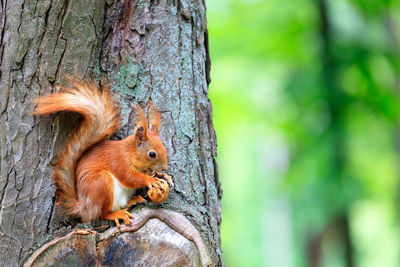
[{"x": 152, "y": 154}]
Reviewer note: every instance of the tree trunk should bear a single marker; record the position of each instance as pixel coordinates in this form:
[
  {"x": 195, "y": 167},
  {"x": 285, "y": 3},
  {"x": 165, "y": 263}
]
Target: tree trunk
[
  {"x": 148, "y": 50},
  {"x": 336, "y": 101}
]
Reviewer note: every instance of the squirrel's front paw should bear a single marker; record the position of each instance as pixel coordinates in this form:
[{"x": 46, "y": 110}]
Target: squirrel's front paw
[
  {"x": 158, "y": 190},
  {"x": 166, "y": 177}
]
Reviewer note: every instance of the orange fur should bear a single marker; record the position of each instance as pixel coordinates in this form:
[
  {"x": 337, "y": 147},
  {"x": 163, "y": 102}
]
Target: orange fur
[{"x": 85, "y": 172}]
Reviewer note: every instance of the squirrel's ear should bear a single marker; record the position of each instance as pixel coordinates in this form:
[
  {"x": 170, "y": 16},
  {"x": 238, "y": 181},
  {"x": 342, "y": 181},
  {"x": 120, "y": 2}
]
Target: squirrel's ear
[
  {"x": 139, "y": 118},
  {"x": 154, "y": 118},
  {"x": 140, "y": 133}
]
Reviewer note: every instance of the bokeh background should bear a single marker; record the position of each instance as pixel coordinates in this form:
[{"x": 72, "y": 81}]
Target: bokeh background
[{"x": 306, "y": 109}]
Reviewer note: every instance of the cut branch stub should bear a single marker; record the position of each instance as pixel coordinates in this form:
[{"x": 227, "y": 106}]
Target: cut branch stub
[{"x": 155, "y": 238}]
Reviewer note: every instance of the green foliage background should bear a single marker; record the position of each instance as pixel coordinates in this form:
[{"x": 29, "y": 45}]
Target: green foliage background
[{"x": 272, "y": 98}]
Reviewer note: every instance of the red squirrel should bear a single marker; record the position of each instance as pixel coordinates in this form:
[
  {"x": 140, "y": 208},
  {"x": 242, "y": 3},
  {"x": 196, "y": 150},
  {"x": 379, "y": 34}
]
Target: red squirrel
[{"x": 97, "y": 178}]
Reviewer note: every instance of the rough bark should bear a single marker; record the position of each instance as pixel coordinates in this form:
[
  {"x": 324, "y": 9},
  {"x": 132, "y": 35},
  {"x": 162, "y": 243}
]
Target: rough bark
[{"x": 148, "y": 50}]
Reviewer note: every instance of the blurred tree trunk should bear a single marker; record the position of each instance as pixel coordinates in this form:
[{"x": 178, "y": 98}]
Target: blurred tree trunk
[
  {"x": 336, "y": 101},
  {"x": 314, "y": 250},
  {"x": 147, "y": 49}
]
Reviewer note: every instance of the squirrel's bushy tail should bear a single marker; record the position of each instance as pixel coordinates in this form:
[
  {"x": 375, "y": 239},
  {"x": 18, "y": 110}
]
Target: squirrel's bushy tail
[{"x": 100, "y": 120}]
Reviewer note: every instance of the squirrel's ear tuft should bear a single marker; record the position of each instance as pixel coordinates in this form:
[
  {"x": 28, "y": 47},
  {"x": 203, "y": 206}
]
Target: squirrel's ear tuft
[
  {"x": 137, "y": 116},
  {"x": 154, "y": 118}
]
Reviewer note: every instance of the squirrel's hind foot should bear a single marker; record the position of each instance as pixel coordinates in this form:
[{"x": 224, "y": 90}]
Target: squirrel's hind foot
[{"x": 120, "y": 215}]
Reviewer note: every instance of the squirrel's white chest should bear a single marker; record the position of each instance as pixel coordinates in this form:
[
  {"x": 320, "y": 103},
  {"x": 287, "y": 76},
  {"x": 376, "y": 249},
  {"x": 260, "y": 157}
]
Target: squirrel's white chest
[{"x": 122, "y": 195}]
